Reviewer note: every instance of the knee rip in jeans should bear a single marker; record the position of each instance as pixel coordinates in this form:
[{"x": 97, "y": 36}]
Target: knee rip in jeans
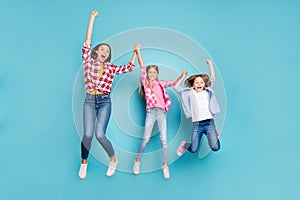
[
  {"x": 164, "y": 142},
  {"x": 100, "y": 138},
  {"x": 146, "y": 140},
  {"x": 88, "y": 136}
]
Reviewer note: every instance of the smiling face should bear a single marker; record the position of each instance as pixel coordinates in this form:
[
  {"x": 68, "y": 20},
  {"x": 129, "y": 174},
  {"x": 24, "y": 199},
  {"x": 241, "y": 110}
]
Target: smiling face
[
  {"x": 152, "y": 73},
  {"x": 103, "y": 52},
  {"x": 199, "y": 84}
]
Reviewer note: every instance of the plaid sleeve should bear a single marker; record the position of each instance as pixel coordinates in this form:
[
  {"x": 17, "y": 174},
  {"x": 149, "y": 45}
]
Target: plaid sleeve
[
  {"x": 124, "y": 68},
  {"x": 143, "y": 75},
  {"x": 86, "y": 52},
  {"x": 166, "y": 84}
]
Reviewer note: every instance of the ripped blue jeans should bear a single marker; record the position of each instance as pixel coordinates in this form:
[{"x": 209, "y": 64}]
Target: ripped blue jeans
[
  {"x": 208, "y": 128},
  {"x": 153, "y": 115},
  {"x": 96, "y": 114}
]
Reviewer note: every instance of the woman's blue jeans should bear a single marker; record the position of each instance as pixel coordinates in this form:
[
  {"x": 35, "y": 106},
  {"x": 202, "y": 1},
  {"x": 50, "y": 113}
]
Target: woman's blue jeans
[
  {"x": 208, "y": 128},
  {"x": 96, "y": 114}
]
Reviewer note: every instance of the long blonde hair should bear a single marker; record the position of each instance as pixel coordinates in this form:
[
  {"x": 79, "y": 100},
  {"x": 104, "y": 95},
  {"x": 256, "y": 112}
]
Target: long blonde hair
[{"x": 142, "y": 89}]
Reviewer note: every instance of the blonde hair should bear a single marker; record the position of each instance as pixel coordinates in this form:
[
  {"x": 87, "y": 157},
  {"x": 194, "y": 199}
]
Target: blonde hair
[{"x": 142, "y": 89}]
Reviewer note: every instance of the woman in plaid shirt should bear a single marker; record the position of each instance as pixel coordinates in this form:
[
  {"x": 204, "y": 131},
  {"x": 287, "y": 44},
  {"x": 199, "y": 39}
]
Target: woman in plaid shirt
[
  {"x": 157, "y": 104},
  {"x": 98, "y": 76}
]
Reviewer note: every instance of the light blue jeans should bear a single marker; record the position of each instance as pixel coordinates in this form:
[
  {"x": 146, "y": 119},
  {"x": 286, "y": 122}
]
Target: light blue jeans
[
  {"x": 153, "y": 115},
  {"x": 96, "y": 114}
]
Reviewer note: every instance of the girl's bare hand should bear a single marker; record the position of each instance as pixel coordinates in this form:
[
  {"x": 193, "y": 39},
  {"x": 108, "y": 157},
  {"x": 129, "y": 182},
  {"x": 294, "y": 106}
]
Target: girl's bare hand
[
  {"x": 209, "y": 62},
  {"x": 94, "y": 14}
]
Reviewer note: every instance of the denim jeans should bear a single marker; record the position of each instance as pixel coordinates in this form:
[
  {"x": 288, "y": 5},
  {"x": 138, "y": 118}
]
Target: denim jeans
[
  {"x": 208, "y": 128},
  {"x": 153, "y": 115},
  {"x": 96, "y": 114}
]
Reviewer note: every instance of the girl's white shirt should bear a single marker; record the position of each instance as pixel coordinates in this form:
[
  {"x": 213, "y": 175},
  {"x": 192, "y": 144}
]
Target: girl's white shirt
[{"x": 199, "y": 102}]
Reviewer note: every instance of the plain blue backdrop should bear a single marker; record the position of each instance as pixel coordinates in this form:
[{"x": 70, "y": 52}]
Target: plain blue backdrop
[{"x": 255, "y": 45}]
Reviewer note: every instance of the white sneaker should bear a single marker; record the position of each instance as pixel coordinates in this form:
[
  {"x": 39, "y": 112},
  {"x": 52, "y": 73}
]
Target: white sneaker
[
  {"x": 82, "y": 171},
  {"x": 136, "y": 167},
  {"x": 166, "y": 172},
  {"x": 111, "y": 168}
]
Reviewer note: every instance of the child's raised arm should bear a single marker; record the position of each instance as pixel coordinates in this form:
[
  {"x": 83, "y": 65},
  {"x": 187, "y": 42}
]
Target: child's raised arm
[
  {"x": 180, "y": 79},
  {"x": 89, "y": 31},
  {"x": 134, "y": 53},
  {"x": 137, "y": 48},
  {"x": 126, "y": 68},
  {"x": 211, "y": 68}
]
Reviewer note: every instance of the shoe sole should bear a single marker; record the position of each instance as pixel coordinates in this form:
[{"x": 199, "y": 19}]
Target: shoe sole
[
  {"x": 109, "y": 175},
  {"x": 81, "y": 177}
]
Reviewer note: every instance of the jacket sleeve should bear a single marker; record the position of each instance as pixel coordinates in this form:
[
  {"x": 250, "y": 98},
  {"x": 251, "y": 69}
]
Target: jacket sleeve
[
  {"x": 185, "y": 100},
  {"x": 179, "y": 89},
  {"x": 212, "y": 80}
]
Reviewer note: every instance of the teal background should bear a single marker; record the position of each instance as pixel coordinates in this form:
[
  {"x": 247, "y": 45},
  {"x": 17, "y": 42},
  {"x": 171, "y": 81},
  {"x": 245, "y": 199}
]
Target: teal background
[{"x": 255, "y": 45}]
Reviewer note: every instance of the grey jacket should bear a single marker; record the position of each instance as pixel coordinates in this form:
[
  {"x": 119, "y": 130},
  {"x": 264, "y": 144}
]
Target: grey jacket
[{"x": 185, "y": 99}]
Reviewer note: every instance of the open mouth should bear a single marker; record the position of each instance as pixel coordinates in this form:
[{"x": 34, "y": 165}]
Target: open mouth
[
  {"x": 102, "y": 57},
  {"x": 199, "y": 89}
]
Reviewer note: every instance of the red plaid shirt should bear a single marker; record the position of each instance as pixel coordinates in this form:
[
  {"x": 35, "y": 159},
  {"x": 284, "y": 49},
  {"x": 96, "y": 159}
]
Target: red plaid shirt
[
  {"x": 150, "y": 96},
  {"x": 92, "y": 69}
]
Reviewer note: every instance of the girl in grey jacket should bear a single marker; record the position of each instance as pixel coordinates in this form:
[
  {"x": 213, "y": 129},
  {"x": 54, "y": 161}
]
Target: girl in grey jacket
[{"x": 199, "y": 102}]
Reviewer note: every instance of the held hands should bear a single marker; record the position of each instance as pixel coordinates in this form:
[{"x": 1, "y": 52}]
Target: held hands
[
  {"x": 180, "y": 78},
  {"x": 137, "y": 47},
  {"x": 94, "y": 14},
  {"x": 184, "y": 73}
]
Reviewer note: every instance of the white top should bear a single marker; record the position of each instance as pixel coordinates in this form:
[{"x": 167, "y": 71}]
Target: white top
[{"x": 200, "y": 106}]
